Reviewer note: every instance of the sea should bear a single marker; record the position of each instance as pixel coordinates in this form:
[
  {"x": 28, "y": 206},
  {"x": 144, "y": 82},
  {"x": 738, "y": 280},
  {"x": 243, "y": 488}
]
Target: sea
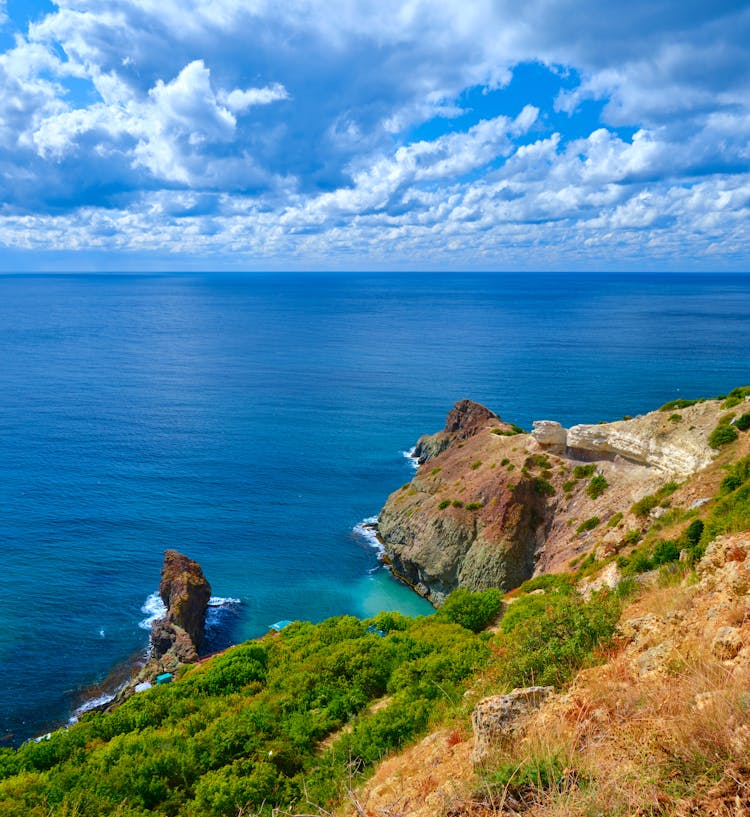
[{"x": 255, "y": 422}]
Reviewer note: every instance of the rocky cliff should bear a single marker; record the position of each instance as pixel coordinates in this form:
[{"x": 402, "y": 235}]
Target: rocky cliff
[
  {"x": 185, "y": 593},
  {"x": 490, "y": 505}
]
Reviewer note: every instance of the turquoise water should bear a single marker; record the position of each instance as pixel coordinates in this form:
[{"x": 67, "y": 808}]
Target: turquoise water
[{"x": 253, "y": 421}]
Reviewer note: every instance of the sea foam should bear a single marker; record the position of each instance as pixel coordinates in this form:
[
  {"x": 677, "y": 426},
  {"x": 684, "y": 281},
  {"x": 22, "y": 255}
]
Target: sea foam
[
  {"x": 413, "y": 461},
  {"x": 367, "y": 530},
  {"x": 155, "y": 609}
]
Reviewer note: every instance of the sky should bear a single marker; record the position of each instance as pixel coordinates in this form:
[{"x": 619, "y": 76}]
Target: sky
[{"x": 349, "y": 134}]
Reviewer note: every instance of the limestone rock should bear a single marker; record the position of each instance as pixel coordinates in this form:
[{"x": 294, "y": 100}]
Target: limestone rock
[
  {"x": 645, "y": 631},
  {"x": 645, "y": 440},
  {"x": 501, "y": 719},
  {"x": 727, "y": 643},
  {"x": 550, "y": 433},
  {"x": 609, "y": 577},
  {"x": 654, "y": 659}
]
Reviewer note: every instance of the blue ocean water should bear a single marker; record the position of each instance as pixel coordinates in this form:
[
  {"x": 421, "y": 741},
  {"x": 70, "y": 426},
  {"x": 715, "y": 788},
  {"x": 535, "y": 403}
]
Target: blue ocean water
[{"x": 252, "y": 421}]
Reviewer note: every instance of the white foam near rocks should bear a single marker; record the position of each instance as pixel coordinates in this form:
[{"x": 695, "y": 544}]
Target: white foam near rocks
[
  {"x": 154, "y": 609},
  {"x": 367, "y": 530},
  {"x": 413, "y": 461}
]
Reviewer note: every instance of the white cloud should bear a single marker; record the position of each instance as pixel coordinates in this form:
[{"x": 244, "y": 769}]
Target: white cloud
[
  {"x": 239, "y": 101},
  {"x": 135, "y": 122}
]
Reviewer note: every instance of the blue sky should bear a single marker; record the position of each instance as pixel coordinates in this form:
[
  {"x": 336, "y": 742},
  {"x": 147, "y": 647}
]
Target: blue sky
[{"x": 297, "y": 134}]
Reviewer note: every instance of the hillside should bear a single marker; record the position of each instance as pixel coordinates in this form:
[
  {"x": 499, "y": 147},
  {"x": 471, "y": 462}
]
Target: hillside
[
  {"x": 661, "y": 727},
  {"x": 628, "y": 650},
  {"x": 491, "y": 506}
]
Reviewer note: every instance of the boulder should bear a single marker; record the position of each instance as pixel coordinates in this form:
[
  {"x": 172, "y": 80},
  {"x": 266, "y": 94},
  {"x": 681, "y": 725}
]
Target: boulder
[
  {"x": 550, "y": 434},
  {"x": 727, "y": 643},
  {"x": 500, "y": 720}
]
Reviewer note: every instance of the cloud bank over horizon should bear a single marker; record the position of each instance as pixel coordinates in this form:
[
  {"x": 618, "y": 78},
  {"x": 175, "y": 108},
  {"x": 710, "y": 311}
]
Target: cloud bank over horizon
[{"x": 416, "y": 134}]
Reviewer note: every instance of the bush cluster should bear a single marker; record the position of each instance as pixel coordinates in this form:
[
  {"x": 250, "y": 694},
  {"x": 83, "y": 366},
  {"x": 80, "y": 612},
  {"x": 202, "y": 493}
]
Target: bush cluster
[
  {"x": 242, "y": 733},
  {"x": 546, "y": 638},
  {"x": 597, "y": 486}
]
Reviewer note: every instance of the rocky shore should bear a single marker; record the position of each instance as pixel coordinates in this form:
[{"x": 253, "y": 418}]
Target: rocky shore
[
  {"x": 175, "y": 639},
  {"x": 492, "y": 505}
]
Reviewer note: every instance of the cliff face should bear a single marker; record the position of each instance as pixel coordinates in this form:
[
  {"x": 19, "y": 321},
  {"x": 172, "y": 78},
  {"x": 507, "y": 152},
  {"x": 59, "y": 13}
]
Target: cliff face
[
  {"x": 490, "y": 507},
  {"x": 185, "y": 593}
]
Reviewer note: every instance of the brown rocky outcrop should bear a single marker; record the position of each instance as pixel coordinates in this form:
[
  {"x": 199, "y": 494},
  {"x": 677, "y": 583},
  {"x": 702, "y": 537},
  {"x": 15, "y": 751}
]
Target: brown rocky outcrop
[
  {"x": 464, "y": 420},
  {"x": 185, "y": 593}
]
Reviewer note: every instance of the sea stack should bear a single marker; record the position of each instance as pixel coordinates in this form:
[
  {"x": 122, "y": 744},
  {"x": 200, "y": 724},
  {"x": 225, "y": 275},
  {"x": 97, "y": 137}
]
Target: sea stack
[{"x": 185, "y": 593}]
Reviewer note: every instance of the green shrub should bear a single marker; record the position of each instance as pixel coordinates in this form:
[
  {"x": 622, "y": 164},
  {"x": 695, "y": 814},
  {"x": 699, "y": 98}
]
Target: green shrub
[
  {"x": 735, "y": 397},
  {"x": 588, "y": 524},
  {"x": 537, "y": 461},
  {"x": 435, "y": 471},
  {"x": 614, "y": 520},
  {"x": 597, "y": 486},
  {"x": 738, "y": 474},
  {"x": 731, "y": 512},
  {"x": 723, "y": 434},
  {"x": 475, "y": 465},
  {"x": 583, "y": 471},
  {"x": 643, "y": 507},
  {"x": 457, "y": 503},
  {"x": 667, "y": 489},
  {"x": 514, "y": 429},
  {"x": 632, "y": 537},
  {"x": 474, "y": 611},
  {"x": 743, "y": 421},
  {"x": 675, "y": 418},
  {"x": 504, "y": 461},
  {"x": 568, "y": 485},
  {"x": 548, "y": 638},
  {"x": 444, "y": 504},
  {"x": 694, "y": 532},
  {"x": 474, "y": 506},
  {"x": 665, "y": 551},
  {"x": 533, "y": 775},
  {"x": 639, "y": 562},
  {"x": 680, "y": 404},
  {"x": 560, "y": 582},
  {"x": 542, "y": 486}
]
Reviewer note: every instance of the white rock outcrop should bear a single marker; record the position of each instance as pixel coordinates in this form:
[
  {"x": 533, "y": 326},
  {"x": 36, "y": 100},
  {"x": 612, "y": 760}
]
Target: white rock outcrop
[
  {"x": 549, "y": 432},
  {"x": 635, "y": 440}
]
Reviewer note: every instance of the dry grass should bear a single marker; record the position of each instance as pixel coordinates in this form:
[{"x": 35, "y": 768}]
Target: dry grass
[
  {"x": 671, "y": 744},
  {"x": 669, "y": 740}
]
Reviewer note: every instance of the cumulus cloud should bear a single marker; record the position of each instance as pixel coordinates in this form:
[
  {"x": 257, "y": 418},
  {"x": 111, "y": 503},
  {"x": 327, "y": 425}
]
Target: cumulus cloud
[{"x": 301, "y": 129}]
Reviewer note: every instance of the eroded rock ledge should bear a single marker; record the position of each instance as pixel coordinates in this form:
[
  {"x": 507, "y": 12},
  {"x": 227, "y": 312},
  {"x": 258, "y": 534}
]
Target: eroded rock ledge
[{"x": 643, "y": 441}]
